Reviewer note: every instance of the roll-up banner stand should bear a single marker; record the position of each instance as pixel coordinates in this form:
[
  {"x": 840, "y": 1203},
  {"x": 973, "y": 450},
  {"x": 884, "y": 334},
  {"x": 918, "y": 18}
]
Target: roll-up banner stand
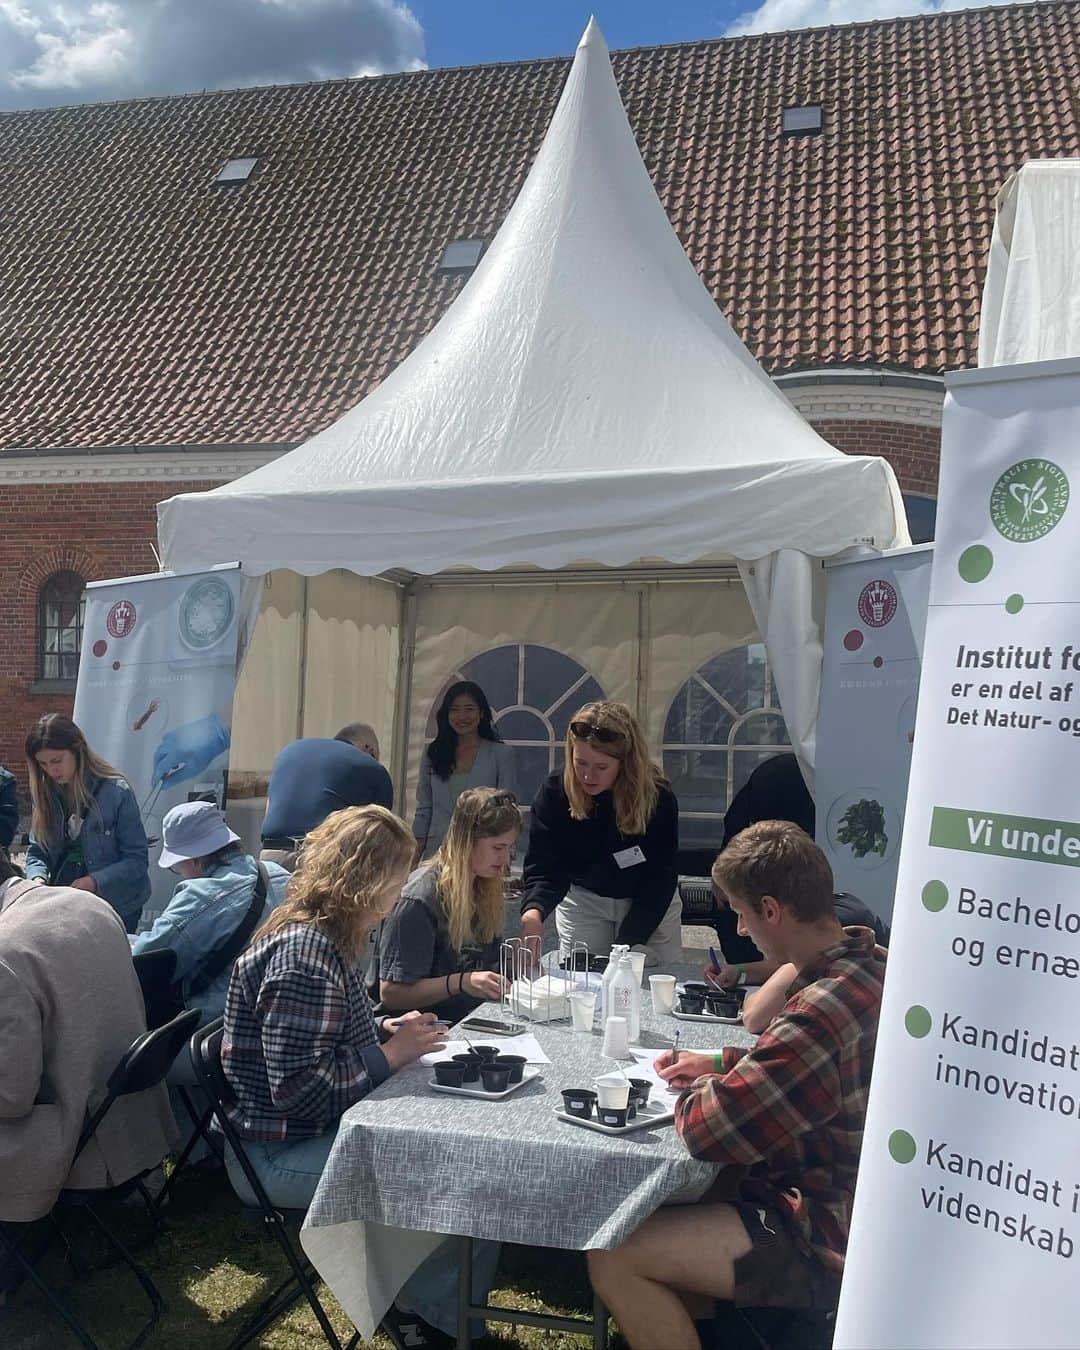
[
  {"x": 967, "y": 1210},
  {"x": 875, "y": 614},
  {"x": 155, "y": 690}
]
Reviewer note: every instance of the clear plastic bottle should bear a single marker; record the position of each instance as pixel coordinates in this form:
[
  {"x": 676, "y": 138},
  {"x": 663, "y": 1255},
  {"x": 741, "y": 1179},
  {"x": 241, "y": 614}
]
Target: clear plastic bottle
[
  {"x": 605, "y": 985},
  {"x": 624, "y": 997}
]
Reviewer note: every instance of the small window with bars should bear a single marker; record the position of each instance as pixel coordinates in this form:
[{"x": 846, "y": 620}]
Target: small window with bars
[{"x": 60, "y": 626}]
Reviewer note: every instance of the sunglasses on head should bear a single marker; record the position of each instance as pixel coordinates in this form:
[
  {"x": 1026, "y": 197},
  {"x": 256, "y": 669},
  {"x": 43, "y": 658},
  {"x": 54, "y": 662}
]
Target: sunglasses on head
[{"x": 589, "y": 731}]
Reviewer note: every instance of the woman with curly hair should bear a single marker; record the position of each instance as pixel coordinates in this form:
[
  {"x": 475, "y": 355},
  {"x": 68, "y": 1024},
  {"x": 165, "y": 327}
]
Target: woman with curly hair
[
  {"x": 302, "y": 1042},
  {"x": 603, "y": 843},
  {"x": 467, "y": 752}
]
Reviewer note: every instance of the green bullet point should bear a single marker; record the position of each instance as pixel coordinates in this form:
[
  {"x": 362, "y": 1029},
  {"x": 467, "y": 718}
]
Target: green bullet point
[
  {"x": 1014, "y": 604},
  {"x": 935, "y": 896},
  {"x": 975, "y": 563},
  {"x": 918, "y": 1021},
  {"x": 902, "y": 1146}
]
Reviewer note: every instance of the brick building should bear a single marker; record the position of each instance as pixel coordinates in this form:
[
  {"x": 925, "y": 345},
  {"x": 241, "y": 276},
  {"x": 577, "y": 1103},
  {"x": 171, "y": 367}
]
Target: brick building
[{"x": 190, "y": 285}]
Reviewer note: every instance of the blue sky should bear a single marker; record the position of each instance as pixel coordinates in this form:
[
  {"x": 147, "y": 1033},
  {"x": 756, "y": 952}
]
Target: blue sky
[
  {"x": 79, "y": 51},
  {"x": 459, "y": 34}
]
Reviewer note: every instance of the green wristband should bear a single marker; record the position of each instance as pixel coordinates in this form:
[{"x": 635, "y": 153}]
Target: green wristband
[{"x": 718, "y": 1063}]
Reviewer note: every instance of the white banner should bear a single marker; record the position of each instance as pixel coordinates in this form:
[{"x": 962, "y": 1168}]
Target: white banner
[
  {"x": 155, "y": 690},
  {"x": 875, "y": 614},
  {"x": 967, "y": 1213}
]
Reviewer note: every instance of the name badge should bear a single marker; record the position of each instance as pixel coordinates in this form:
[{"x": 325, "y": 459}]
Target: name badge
[{"x": 629, "y": 857}]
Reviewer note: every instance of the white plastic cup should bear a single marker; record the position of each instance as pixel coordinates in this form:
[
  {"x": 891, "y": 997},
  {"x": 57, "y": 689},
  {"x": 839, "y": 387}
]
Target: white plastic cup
[
  {"x": 616, "y": 1038},
  {"x": 637, "y": 960},
  {"x": 662, "y": 988},
  {"x": 612, "y": 1090},
  {"x": 583, "y": 1009}
]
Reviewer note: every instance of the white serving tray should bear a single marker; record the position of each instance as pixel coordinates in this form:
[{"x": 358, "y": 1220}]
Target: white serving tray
[
  {"x": 531, "y": 1073},
  {"x": 708, "y": 1017},
  {"x": 646, "y": 1116}
]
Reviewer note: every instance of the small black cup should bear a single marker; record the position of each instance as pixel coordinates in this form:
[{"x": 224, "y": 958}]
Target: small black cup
[
  {"x": 641, "y": 1087},
  {"x": 579, "y": 1102},
  {"x": 486, "y": 1052},
  {"x": 449, "y": 1074},
  {"x": 721, "y": 1004},
  {"x": 516, "y": 1064},
  {"x": 471, "y": 1065},
  {"x": 691, "y": 1004},
  {"x": 615, "y": 1116},
  {"x": 495, "y": 1077},
  {"x": 699, "y": 987}
]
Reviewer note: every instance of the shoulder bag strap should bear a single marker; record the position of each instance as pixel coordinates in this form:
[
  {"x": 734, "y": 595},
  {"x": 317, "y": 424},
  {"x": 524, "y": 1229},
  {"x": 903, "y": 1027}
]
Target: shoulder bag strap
[{"x": 225, "y": 953}]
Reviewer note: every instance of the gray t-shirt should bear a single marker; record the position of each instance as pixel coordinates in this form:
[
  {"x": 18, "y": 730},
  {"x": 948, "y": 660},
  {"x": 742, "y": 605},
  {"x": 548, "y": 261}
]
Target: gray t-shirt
[{"x": 415, "y": 945}]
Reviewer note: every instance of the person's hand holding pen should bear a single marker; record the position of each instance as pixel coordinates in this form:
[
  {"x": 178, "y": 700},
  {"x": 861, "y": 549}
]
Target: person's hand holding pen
[
  {"x": 679, "y": 1069},
  {"x": 412, "y": 1035},
  {"x": 719, "y": 972}
]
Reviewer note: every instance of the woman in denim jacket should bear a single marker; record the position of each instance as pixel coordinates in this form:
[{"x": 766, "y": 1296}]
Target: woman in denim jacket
[
  {"x": 210, "y": 903},
  {"x": 85, "y": 829}
]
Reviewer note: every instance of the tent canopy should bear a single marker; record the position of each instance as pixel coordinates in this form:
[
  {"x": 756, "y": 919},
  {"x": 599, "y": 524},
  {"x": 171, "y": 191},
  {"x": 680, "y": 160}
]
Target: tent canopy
[{"x": 583, "y": 400}]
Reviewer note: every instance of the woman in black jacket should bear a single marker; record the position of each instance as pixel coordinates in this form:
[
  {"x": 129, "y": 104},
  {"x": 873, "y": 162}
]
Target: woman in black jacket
[{"x": 603, "y": 843}]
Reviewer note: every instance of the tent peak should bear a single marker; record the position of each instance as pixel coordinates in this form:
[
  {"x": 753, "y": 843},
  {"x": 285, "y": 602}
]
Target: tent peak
[{"x": 592, "y": 36}]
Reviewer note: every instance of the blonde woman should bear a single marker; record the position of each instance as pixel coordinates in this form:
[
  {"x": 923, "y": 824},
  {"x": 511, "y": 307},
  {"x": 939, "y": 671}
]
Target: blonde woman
[
  {"x": 302, "y": 1042},
  {"x": 85, "y": 831},
  {"x": 603, "y": 842},
  {"x": 439, "y": 947}
]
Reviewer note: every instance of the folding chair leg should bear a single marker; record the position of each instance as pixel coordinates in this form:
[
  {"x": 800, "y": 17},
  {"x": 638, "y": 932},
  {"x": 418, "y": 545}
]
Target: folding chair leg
[
  {"x": 150, "y": 1289},
  {"x": 302, "y": 1273},
  {"x": 272, "y": 1307},
  {"x": 58, "y": 1305}
]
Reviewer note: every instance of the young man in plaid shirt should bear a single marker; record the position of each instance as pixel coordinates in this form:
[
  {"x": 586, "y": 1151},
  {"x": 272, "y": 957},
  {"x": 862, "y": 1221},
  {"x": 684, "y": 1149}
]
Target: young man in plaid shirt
[{"x": 788, "y": 1115}]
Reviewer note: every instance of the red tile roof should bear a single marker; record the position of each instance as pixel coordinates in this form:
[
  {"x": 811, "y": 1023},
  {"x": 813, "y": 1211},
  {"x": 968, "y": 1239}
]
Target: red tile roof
[{"x": 141, "y": 305}]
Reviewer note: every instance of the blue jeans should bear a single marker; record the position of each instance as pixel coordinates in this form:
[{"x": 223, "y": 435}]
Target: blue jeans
[{"x": 290, "y": 1171}]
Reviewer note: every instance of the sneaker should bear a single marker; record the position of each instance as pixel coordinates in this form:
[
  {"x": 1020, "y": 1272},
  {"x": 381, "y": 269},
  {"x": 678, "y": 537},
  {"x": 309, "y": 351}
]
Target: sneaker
[{"x": 409, "y": 1331}]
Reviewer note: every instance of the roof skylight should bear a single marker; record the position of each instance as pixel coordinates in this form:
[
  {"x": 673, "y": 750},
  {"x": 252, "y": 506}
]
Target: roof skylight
[
  {"x": 803, "y": 120},
  {"x": 461, "y": 255},
  {"x": 237, "y": 171}
]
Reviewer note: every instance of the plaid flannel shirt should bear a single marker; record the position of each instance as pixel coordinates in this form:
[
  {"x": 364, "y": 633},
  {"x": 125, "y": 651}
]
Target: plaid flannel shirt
[
  {"x": 301, "y": 1043},
  {"x": 791, "y": 1109}
]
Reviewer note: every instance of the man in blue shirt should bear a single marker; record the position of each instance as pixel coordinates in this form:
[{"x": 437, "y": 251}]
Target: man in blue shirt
[{"x": 316, "y": 776}]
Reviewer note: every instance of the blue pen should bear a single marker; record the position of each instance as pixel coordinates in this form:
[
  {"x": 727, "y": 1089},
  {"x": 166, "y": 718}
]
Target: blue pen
[{"x": 714, "y": 959}]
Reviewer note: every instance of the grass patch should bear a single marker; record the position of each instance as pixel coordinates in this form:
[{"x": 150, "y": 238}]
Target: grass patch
[{"x": 213, "y": 1265}]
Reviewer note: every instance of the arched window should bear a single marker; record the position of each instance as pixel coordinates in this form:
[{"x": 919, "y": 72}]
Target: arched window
[
  {"x": 60, "y": 626},
  {"x": 533, "y": 691},
  {"x": 721, "y": 724}
]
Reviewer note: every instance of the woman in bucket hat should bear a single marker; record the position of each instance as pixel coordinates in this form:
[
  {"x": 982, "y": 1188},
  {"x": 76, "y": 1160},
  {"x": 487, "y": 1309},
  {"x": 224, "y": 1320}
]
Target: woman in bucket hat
[{"x": 215, "y": 908}]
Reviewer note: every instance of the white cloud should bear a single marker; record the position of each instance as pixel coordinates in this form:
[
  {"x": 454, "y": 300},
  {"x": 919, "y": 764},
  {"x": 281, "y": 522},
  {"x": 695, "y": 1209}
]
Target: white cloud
[
  {"x": 64, "y": 51},
  {"x": 774, "y": 16}
]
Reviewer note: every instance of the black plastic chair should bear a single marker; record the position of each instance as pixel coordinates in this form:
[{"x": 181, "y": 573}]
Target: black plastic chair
[
  {"x": 143, "y": 1066},
  {"x": 206, "y": 1056},
  {"x": 155, "y": 972}
]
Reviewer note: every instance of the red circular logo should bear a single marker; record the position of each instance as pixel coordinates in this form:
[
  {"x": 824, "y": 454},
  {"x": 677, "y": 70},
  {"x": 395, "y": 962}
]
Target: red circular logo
[
  {"x": 120, "y": 620},
  {"x": 877, "y": 603}
]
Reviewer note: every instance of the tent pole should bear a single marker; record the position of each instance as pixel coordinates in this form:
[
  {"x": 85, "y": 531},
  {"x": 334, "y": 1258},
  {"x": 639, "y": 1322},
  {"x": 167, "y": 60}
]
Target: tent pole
[
  {"x": 643, "y": 662},
  {"x": 301, "y": 690},
  {"x": 399, "y": 767}
]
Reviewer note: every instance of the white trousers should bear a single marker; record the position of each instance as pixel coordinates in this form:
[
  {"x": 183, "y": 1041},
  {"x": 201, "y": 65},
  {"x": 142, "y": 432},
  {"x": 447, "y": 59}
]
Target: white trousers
[{"x": 584, "y": 916}]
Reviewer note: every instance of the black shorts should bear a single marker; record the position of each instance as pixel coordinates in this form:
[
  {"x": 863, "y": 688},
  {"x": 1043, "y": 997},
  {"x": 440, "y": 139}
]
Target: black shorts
[{"x": 776, "y": 1272}]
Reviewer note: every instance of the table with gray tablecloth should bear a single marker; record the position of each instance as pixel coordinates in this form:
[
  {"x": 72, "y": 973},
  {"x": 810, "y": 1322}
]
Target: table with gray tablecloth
[{"x": 410, "y": 1164}]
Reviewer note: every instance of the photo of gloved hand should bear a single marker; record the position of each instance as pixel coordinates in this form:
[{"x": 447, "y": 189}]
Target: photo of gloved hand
[{"x": 186, "y": 752}]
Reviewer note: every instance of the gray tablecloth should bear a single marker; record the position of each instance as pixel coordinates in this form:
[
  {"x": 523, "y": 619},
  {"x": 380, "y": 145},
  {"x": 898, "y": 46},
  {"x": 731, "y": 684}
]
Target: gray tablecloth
[{"x": 407, "y": 1158}]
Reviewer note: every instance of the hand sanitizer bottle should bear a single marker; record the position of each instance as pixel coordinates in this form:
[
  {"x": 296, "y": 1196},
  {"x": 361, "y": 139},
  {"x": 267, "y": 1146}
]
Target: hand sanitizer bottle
[
  {"x": 624, "y": 997},
  {"x": 605, "y": 984}
]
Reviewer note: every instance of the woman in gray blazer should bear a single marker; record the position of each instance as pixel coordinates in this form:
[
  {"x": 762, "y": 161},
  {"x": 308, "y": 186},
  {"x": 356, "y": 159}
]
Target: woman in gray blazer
[{"x": 467, "y": 752}]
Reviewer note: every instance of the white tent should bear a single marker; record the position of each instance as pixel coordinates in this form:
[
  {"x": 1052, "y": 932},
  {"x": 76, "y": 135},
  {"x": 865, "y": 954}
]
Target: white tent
[
  {"x": 1031, "y": 297},
  {"x": 583, "y": 405}
]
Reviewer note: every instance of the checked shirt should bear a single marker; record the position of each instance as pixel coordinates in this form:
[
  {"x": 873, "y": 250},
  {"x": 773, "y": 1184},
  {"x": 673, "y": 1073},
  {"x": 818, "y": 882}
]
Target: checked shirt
[
  {"x": 791, "y": 1110},
  {"x": 301, "y": 1043}
]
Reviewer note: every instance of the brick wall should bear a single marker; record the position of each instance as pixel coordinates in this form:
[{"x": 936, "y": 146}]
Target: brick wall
[
  {"x": 912, "y": 451},
  {"x": 96, "y": 529},
  {"x": 104, "y": 530}
]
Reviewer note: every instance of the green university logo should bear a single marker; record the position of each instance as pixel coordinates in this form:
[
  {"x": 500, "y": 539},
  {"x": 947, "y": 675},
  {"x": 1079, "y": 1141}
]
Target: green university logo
[{"x": 1028, "y": 500}]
